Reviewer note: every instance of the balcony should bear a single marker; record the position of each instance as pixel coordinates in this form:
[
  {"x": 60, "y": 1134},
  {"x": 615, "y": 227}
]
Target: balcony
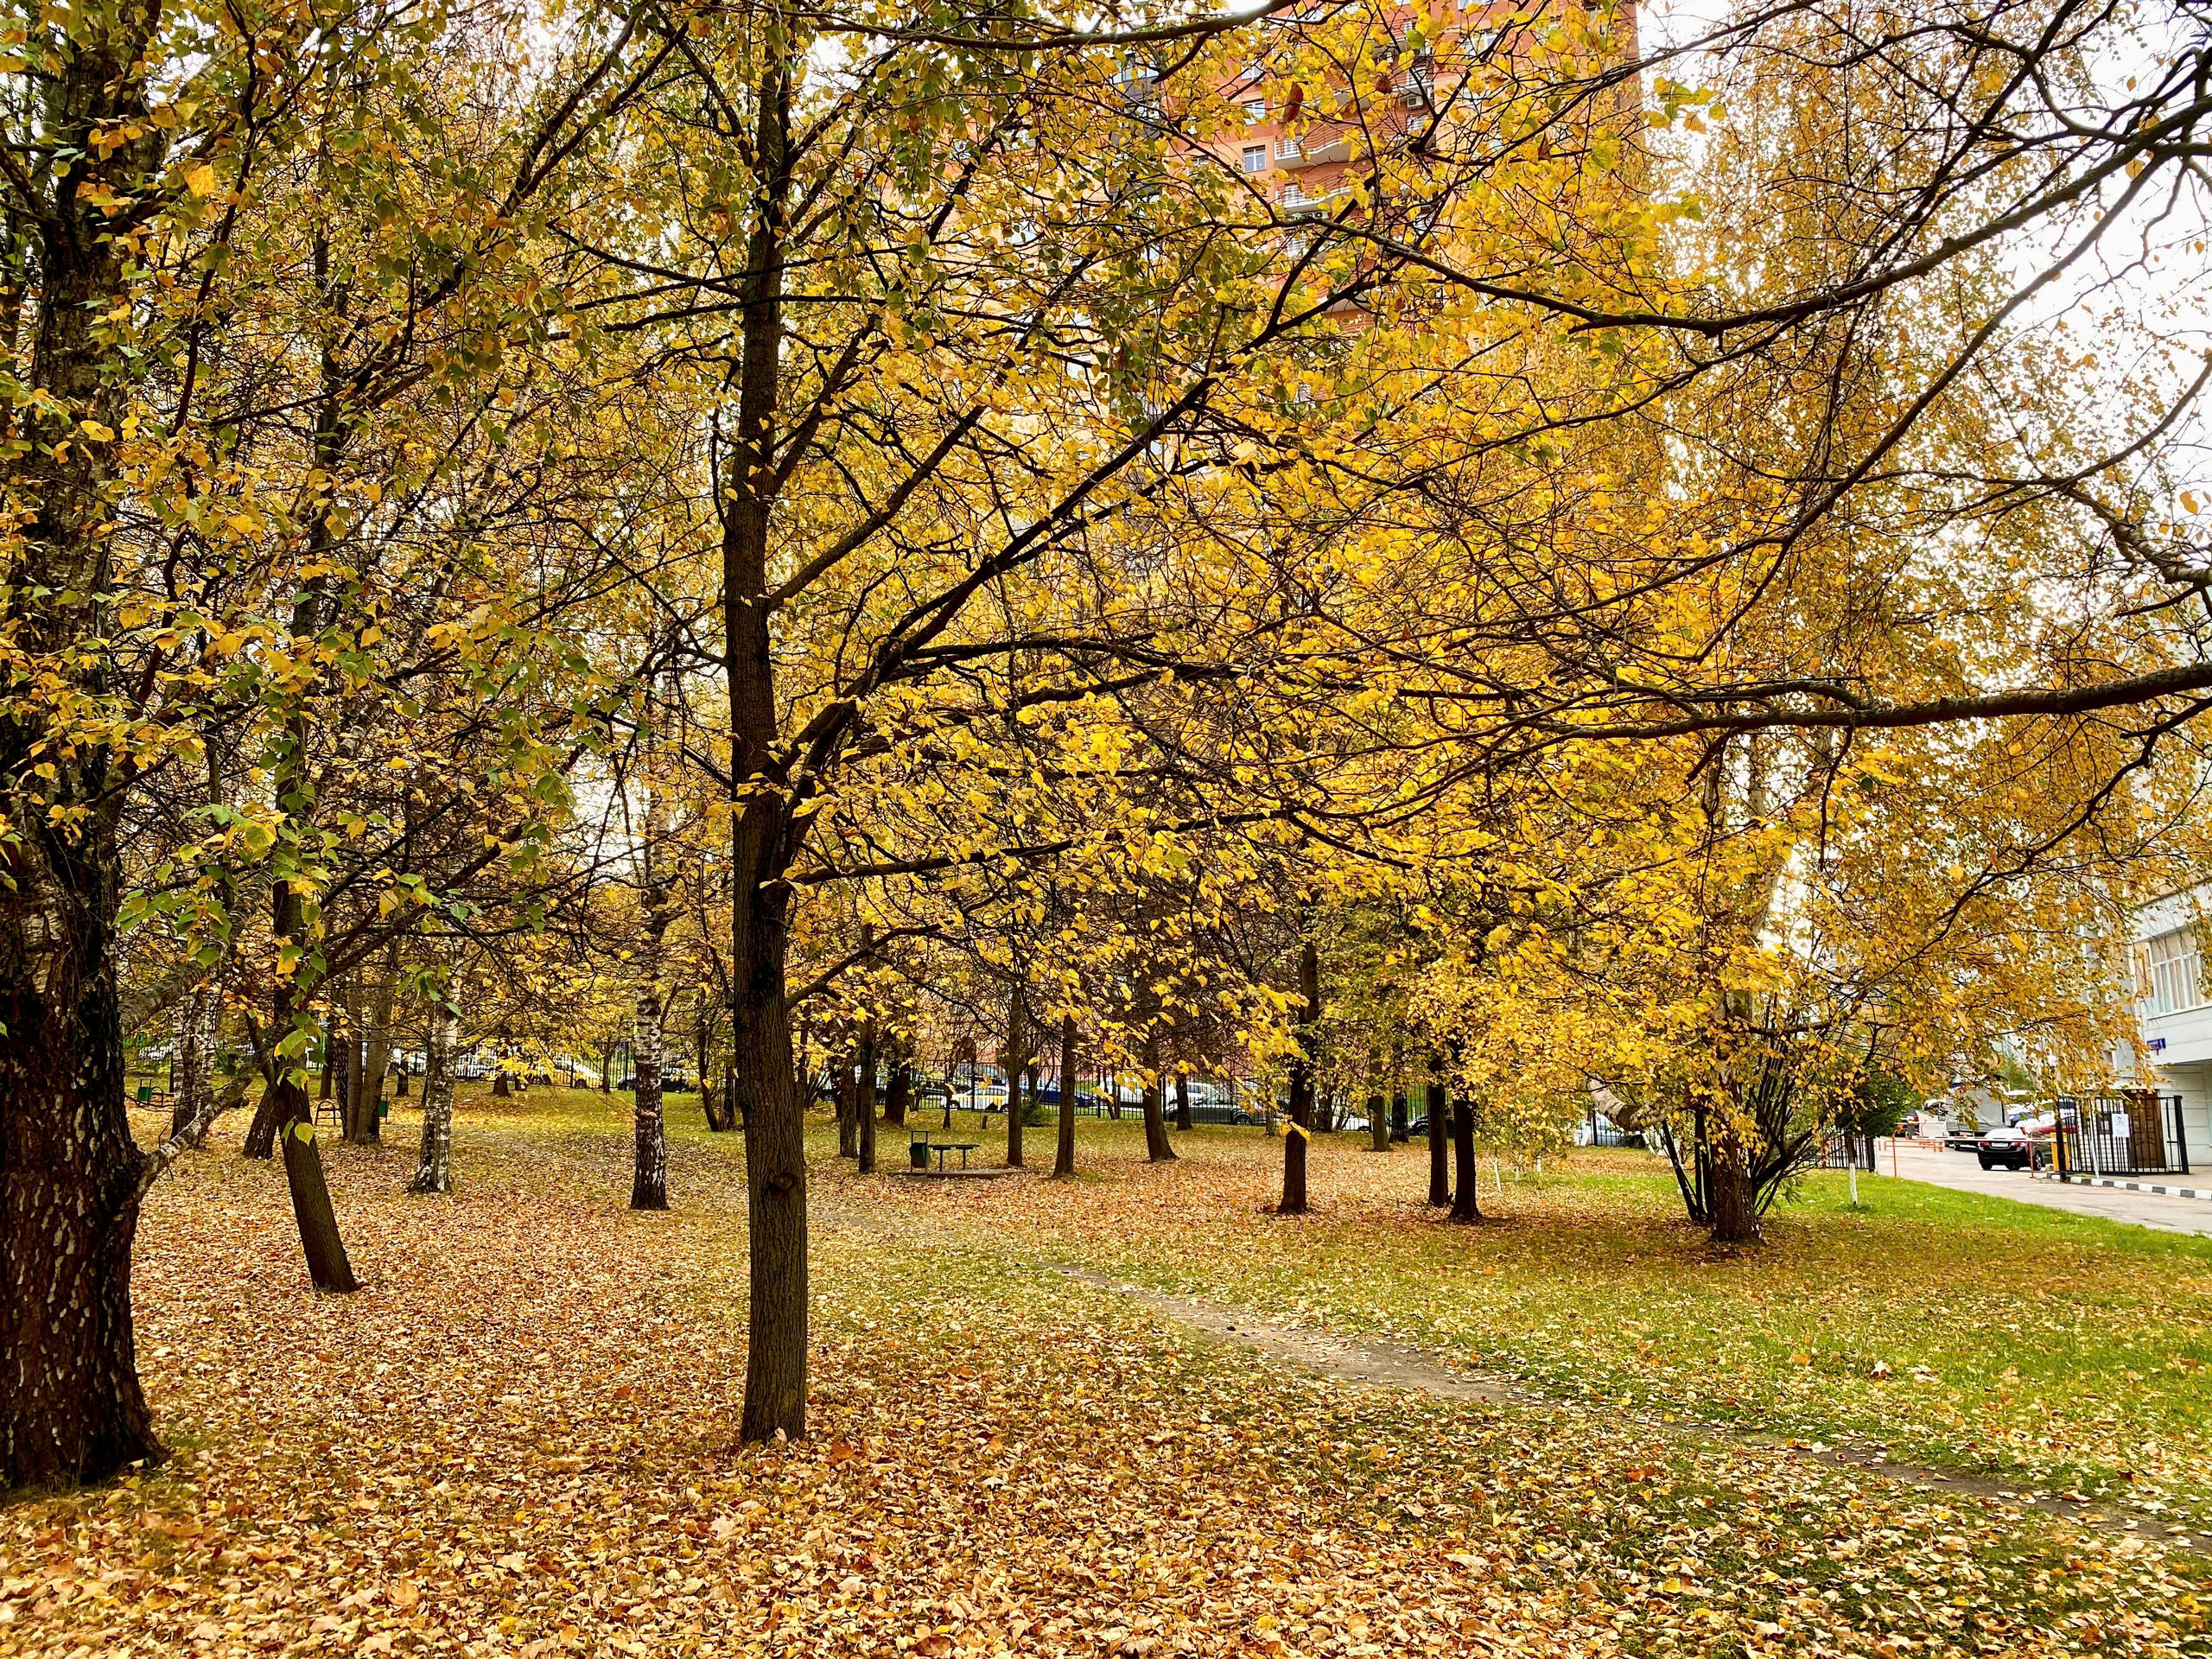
[
  {"x": 1312, "y": 149},
  {"x": 1298, "y": 202}
]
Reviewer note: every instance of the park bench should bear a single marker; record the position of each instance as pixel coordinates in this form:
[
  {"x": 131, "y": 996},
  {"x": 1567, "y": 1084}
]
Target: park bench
[{"x": 919, "y": 1145}]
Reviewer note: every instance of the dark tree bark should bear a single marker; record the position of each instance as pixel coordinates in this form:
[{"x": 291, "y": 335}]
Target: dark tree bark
[
  {"x": 1466, "y": 1203},
  {"x": 1017, "y": 1061},
  {"x": 864, "y": 1098},
  {"x": 376, "y": 1049},
  {"x": 1731, "y": 1196},
  {"x": 901, "y": 1090},
  {"x": 1440, "y": 1168},
  {"x": 327, "y": 1267},
  {"x": 71, "y": 1408},
  {"x": 1157, "y": 1148},
  {"x": 841, "y": 1087},
  {"x": 1301, "y": 1085},
  {"x": 1399, "y": 1135},
  {"x": 775, "y": 1136},
  {"x": 1063, "y": 1149},
  {"x": 1183, "y": 1121},
  {"x": 1378, "y": 1124}
]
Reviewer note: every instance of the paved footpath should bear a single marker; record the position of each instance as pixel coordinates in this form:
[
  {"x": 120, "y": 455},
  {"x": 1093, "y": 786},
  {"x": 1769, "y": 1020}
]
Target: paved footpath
[{"x": 1962, "y": 1172}]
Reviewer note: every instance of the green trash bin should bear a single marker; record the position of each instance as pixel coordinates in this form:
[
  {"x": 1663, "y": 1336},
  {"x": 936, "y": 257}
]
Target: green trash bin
[{"x": 918, "y": 1151}]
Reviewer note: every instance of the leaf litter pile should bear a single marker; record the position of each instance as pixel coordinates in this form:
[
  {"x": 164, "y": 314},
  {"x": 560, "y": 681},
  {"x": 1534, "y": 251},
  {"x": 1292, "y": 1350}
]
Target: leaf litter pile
[{"x": 520, "y": 1438}]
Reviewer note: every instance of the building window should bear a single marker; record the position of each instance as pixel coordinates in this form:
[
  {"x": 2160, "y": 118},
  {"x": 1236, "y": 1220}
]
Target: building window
[
  {"x": 2177, "y": 972},
  {"x": 1255, "y": 158},
  {"x": 1256, "y": 110}
]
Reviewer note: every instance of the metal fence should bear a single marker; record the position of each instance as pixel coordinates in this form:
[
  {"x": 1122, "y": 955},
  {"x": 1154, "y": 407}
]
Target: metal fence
[
  {"x": 2137, "y": 1133},
  {"x": 1841, "y": 1151}
]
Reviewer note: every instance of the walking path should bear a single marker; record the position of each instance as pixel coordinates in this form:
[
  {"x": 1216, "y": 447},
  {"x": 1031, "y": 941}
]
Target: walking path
[
  {"x": 1961, "y": 1172},
  {"x": 1387, "y": 1365}
]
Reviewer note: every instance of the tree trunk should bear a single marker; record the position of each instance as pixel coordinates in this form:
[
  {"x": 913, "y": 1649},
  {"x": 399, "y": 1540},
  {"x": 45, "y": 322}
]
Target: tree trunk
[
  {"x": 1439, "y": 1166},
  {"x": 376, "y": 1059},
  {"x": 716, "y": 1102},
  {"x": 71, "y": 1408},
  {"x": 1732, "y": 1201},
  {"x": 435, "y": 1173},
  {"x": 606, "y": 1070},
  {"x": 1156, "y": 1147},
  {"x": 1301, "y": 1085},
  {"x": 195, "y": 1071},
  {"x": 864, "y": 1098},
  {"x": 1399, "y": 1135},
  {"x": 775, "y": 1164},
  {"x": 1017, "y": 1058},
  {"x": 902, "y": 1088},
  {"x": 1183, "y": 1121},
  {"x": 1378, "y": 1124},
  {"x": 1064, "y": 1148},
  {"x": 327, "y": 1268},
  {"x": 1466, "y": 1203},
  {"x": 649, "y": 1173},
  {"x": 350, "y": 1104},
  {"x": 841, "y": 1088},
  {"x": 649, "y": 1176}
]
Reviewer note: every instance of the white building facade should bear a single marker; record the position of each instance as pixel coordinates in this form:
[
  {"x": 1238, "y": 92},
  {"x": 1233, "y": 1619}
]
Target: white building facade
[{"x": 2176, "y": 1013}]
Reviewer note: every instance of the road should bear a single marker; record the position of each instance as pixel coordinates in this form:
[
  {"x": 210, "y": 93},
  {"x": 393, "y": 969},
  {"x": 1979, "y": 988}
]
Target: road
[{"x": 1961, "y": 1172}]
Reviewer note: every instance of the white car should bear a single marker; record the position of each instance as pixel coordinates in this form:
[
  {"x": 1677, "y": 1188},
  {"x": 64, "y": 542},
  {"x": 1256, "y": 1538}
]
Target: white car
[{"x": 2008, "y": 1146}]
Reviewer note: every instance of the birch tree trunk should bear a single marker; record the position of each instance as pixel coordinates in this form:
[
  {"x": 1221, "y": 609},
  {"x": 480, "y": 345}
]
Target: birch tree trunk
[
  {"x": 435, "y": 1173},
  {"x": 195, "y": 1065}
]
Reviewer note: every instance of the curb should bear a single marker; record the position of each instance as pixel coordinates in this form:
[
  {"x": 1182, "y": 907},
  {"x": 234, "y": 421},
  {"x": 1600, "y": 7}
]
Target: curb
[{"x": 2128, "y": 1186}]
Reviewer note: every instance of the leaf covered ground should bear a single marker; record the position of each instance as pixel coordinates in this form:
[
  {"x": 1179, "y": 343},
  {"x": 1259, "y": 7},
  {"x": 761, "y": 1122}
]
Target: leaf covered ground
[{"x": 520, "y": 1438}]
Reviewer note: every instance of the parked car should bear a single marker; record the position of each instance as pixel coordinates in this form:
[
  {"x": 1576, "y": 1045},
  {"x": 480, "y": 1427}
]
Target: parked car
[{"x": 2009, "y": 1147}]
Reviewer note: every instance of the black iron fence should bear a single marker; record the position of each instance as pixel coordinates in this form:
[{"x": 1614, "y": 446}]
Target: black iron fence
[
  {"x": 2137, "y": 1133},
  {"x": 1598, "y": 1130},
  {"x": 1841, "y": 1151}
]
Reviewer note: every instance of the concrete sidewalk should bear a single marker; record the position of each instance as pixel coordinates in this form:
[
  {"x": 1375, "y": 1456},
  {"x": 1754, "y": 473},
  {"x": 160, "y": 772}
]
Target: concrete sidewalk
[{"x": 1961, "y": 1173}]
